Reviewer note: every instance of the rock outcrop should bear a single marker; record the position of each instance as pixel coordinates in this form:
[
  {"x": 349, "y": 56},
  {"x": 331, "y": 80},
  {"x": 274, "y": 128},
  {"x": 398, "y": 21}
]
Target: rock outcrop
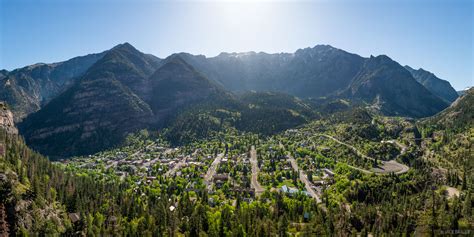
[{"x": 7, "y": 119}]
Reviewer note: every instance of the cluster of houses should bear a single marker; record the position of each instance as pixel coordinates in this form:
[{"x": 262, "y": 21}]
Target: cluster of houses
[
  {"x": 236, "y": 188},
  {"x": 326, "y": 179},
  {"x": 171, "y": 161}
]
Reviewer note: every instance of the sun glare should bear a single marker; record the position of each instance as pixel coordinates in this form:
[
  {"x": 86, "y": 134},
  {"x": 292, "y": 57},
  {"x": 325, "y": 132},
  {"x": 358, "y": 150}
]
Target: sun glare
[{"x": 244, "y": 14}]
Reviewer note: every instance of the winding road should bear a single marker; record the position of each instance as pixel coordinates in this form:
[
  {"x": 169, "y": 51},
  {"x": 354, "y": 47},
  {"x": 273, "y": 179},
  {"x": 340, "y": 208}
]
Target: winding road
[{"x": 387, "y": 166}]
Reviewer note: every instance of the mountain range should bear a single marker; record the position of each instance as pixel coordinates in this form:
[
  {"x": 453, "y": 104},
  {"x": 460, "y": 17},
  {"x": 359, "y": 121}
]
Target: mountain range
[{"x": 90, "y": 103}]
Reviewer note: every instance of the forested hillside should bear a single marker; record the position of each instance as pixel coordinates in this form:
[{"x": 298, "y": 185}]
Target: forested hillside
[
  {"x": 132, "y": 190},
  {"x": 449, "y": 137},
  {"x": 264, "y": 113}
]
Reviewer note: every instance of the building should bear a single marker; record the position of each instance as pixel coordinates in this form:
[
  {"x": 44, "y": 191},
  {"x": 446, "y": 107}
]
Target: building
[
  {"x": 319, "y": 183},
  {"x": 220, "y": 179},
  {"x": 292, "y": 191},
  {"x": 75, "y": 217},
  {"x": 328, "y": 172}
]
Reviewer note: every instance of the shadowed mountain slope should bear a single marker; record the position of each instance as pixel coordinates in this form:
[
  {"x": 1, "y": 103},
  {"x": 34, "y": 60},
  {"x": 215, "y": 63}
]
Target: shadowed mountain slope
[
  {"x": 437, "y": 86},
  {"x": 390, "y": 88},
  {"x": 98, "y": 110}
]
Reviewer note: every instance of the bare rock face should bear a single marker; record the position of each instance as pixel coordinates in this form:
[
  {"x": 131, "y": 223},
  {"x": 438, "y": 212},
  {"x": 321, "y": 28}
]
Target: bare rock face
[{"x": 6, "y": 119}]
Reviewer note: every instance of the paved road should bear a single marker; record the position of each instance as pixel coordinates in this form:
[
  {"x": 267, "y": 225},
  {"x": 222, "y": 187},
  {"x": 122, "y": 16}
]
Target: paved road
[
  {"x": 402, "y": 146},
  {"x": 387, "y": 166},
  {"x": 255, "y": 170},
  {"x": 175, "y": 168},
  {"x": 360, "y": 169},
  {"x": 212, "y": 170},
  {"x": 180, "y": 164},
  {"x": 304, "y": 179},
  {"x": 151, "y": 162}
]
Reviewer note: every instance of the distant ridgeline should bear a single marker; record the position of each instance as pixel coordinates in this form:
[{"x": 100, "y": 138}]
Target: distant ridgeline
[{"x": 90, "y": 103}]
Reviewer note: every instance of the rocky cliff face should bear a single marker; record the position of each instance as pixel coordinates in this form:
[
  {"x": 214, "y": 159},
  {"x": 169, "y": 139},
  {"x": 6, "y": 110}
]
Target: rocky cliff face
[
  {"x": 325, "y": 71},
  {"x": 391, "y": 89},
  {"x": 309, "y": 72},
  {"x": 7, "y": 119},
  {"x": 27, "y": 89}
]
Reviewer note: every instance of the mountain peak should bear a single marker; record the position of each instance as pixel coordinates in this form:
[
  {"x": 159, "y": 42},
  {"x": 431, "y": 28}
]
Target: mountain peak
[
  {"x": 318, "y": 47},
  {"x": 125, "y": 45},
  {"x": 177, "y": 84},
  {"x": 388, "y": 63},
  {"x": 382, "y": 58},
  {"x": 393, "y": 90},
  {"x": 177, "y": 64},
  {"x": 175, "y": 58},
  {"x": 424, "y": 71},
  {"x": 323, "y": 47},
  {"x": 126, "y": 58},
  {"x": 459, "y": 115},
  {"x": 124, "y": 49}
]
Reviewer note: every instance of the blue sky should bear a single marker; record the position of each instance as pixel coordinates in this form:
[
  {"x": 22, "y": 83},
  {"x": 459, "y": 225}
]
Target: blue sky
[{"x": 436, "y": 35}]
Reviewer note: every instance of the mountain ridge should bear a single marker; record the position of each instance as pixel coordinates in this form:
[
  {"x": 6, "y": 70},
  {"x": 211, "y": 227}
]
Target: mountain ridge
[
  {"x": 437, "y": 86},
  {"x": 127, "y": 90},
  {"x": 387, "y": 85},
  {"x": 89, "y": 116},
  {"x": 28, "y": 88}
]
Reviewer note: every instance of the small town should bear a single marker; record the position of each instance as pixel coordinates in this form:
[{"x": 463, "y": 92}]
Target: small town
[{"x": 228, "y": 171}]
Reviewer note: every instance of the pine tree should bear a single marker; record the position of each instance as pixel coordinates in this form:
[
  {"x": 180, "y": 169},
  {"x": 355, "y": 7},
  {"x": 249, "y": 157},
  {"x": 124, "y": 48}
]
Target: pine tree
[
  {"x": 467, "y": 207},
  {"x": 282, "y": 226},
  {"x": 464, "y": 180}
]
